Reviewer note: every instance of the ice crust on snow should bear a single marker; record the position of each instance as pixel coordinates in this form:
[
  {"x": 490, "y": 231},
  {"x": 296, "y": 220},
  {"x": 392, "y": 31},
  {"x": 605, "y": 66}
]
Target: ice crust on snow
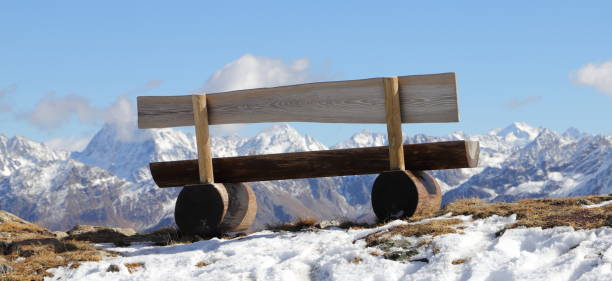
[{"x": 560, "y": 253}]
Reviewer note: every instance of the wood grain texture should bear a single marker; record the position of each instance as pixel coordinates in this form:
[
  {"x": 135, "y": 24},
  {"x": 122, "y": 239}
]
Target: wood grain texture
[
  {"x": 326, "y": 163},
  {"x": 200, "y": 116},
  {"x": 242, "y": 208},
  {"x": 423, "y": 98},
  {"x": 394, "y": 123}
]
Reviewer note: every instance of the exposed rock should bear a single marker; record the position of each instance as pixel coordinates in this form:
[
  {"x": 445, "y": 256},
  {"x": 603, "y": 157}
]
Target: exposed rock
[
  {"x": 329, "y": 223},
  {"x": 60, "y": 234},
  {"x": 5, "y": 248},
  {"x": 112, "y": 268},
  {"x": 5, "y": 268},
  {"x": 26, "y": 253},
  {"x": 99, "y": 234}
]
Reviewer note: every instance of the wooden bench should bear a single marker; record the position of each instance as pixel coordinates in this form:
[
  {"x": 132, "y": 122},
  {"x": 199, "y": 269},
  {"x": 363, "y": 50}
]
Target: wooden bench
[{"x": 215, "y": 197}]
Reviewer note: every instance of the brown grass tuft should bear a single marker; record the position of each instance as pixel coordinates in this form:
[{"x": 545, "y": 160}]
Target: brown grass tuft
[
  {"x": 202, "y": 264},
  {"x": 544, "y": 213},
  {"x": 133, "y": 267},
  {"x": 459, "y": 261},
  {"x": 356, "y": 260},
  {"x": 300, "y": 224},
  {"x": 433, "y": 228},
  {"x": 18, "y": 231},
  {"x": 45, "y": 257}
]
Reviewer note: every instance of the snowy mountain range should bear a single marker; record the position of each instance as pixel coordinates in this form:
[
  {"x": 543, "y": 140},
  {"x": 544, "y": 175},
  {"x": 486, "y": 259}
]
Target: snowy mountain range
[{"x": 108, "y": 183}]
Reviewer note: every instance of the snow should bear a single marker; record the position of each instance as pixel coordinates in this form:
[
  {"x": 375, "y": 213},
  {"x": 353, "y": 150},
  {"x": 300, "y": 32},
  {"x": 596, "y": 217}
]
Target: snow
[
  {"x": 560, "y": 253},
  {"x": 526, "y": 187},
  {"x": 555, "y": 176},
  {"x": 604, "y": 203}
]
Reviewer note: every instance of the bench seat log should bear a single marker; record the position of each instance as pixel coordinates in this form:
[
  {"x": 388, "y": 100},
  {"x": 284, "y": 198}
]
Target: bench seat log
[
  {"x": 423, "y": 99},
  {"x": 325, "y": 163}
]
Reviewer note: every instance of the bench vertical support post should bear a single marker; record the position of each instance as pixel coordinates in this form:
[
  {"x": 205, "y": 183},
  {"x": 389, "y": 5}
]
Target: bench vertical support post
[
  {"x": 200, "y": 118},
  {"x": 394, "y": 123}
]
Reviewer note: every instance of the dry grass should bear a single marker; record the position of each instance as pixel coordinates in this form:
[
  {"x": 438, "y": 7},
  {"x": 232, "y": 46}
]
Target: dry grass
[
  {"x": 45, "y": 257},
  {"x": 544, "y": 213},
  {"x": 375, "y": 253},
  {"x": 133, "y": 267},
  {"x": 300, "y": 224},
  {"x": 433, "y": 228},
  {"x": 202, "y": 264},
  {"x": 356, "y": 260},
  {"x": 18, "y": 231},
  {"x": 459, "y": 261},
  {"x": 18, "y": 228}
]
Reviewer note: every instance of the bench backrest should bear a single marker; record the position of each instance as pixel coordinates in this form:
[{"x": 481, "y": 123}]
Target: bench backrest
[{"x": 423, "y": 99}]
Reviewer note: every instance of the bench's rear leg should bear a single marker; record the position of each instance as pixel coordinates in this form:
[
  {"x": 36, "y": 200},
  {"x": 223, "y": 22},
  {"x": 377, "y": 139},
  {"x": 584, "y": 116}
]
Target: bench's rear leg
[
  {"x": 402, "y": 194},
  {"x": 242, "y": 208}
]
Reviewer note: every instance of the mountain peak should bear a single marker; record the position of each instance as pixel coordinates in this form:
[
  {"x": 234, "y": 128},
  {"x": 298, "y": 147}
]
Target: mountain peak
[
  {"x": 280, "y": 138},
  {"x": 573, "y": 132},
  {"x": 364, "y": 138},
  {"x": 519, "y": 132},
  {"x": 123, "y": 152},
  {"x": 279, "y": 129}
]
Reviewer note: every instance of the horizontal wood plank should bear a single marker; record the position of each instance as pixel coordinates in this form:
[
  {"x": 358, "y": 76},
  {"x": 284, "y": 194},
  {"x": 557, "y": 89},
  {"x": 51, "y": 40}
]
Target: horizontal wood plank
[
  {"x": 326, "y": 163},
  {"x": 423, "y": 98}
]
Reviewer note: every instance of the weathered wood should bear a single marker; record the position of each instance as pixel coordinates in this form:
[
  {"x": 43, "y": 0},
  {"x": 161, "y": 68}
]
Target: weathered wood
[
  {"x": 200, "y": 208},
  {"x": 423, "y": 99},
  {"x": 434, "y": 192},
  {"x": 242, "y": 208},
  {"x": 200, "y": 116},
  {"x": 326, "y": 163},
  {"x": 394, "y": 123},
  {"x": 402, "y": 194}
]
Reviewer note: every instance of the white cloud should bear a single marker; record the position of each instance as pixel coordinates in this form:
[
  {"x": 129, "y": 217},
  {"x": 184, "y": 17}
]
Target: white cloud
[
  {"x": 251, "y": 71},
  {"x": 53, "y": 112},
  {"x": 598, "y": 76}
]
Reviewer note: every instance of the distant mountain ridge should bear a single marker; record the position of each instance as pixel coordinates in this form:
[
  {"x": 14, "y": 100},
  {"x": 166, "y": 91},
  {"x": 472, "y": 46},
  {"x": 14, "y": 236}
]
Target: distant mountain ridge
[{"x": 109, "y": 183}]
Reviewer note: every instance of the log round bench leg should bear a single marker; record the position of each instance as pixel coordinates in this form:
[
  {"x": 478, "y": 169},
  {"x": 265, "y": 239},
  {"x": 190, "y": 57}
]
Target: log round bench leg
[
  {"x": 402, "y": 194},
  {"x": 242, "y": 208},
  {"x": 200, "y": 208}
]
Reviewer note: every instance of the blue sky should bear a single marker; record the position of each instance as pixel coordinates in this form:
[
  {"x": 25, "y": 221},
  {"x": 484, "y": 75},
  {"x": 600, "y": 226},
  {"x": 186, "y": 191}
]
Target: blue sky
[{"x": 66, "y": 65}]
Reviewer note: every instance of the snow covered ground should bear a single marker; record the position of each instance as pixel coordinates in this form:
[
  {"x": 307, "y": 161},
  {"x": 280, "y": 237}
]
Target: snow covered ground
[{"x": 473, "y": 253}]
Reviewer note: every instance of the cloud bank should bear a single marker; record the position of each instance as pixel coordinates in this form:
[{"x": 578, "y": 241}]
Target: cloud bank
[
  {"x": 598, "y": 76},
  {"x": 53, "y": 112}
]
